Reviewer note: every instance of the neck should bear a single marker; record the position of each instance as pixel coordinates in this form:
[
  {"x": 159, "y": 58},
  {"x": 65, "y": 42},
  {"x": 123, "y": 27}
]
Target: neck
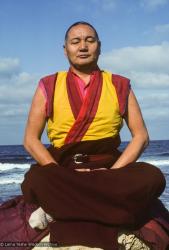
[
  {"x": 83, "y": 71},
  {"x": 85, "y": 75}
]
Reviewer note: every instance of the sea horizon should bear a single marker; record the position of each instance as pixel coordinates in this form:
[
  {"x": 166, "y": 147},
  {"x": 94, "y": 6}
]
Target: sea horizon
[
  {"x": 15, "y": 162},
  {"x": 49, "y": 143}
]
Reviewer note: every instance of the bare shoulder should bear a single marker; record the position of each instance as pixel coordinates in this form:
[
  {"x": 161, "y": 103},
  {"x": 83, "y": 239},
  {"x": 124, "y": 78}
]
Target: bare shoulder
[
  {"x": 38, "y": 106},
  {"x": 133, "y": 116},
  {"x": 132, "y": 100}
]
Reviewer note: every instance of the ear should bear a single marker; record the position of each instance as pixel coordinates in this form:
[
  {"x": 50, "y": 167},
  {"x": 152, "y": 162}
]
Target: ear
[{"x": 65, "y": 50}]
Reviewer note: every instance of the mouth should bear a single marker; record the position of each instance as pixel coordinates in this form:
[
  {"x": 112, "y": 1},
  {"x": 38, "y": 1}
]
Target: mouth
[{"x": 83, "y": 56}]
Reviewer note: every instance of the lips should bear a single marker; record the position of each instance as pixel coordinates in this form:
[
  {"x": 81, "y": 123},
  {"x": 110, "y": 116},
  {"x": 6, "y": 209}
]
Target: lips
[{"x": 83, "y": 56}]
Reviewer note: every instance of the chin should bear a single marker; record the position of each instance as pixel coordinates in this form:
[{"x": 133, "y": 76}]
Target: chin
[{"x": 85, "y": 65}]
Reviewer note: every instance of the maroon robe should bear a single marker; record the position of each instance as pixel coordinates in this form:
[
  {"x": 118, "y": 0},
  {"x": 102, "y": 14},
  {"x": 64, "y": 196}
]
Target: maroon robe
[{"x": 89, "y": 208}]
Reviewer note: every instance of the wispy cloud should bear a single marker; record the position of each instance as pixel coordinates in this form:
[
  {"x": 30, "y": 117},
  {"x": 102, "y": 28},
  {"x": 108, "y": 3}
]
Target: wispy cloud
[
  {"x": 157, "y": 34},
  {"x": 96, "y": 7},
  {"x": 153, "y": 4},
  {"x": 16, "y": 89},
  {"x": 149, "y": 79},
  {"x": 147, "y": 66},
  {"x": 9, "y": 66},
  {"x": 106, "y": 5},
  {"x": 164, "y": 28},
  {"x": 161, "y": 98},
  {"x": 154, "y": 104}
]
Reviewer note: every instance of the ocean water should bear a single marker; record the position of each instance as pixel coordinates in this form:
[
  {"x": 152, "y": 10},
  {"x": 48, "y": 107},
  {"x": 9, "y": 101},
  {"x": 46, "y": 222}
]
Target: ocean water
[{"x": 15, "y": 162}]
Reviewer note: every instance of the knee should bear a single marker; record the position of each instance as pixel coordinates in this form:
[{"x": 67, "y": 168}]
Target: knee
[
  {"x": 159, "y": 181},
  {"x": 32, "y": 177},
  {"x": 156, "y": 179}
]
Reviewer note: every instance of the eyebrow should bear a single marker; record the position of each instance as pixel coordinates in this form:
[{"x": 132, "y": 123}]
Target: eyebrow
[{"x": 79, "y": 38}]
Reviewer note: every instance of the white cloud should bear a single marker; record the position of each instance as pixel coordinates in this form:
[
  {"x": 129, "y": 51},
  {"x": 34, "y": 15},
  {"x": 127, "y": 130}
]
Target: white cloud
[
  {"x": 153, "y": 4},
  {"x": 16, "y": 89},
  {"x": 161, "y": 98},
  {"x": 13, "y": 110},
  {"x": 153, "y": 114},
  {"x": 164, "y": 28},
  {"x": 9, "y": 66},
  {"x": 147, "y": 66},
  {"x": 149, "y": 79},
  {"x": 155, "y": 103}
]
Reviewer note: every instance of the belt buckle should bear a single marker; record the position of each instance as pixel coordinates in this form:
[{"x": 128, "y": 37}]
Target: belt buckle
[{"x": 75, "y": 158}]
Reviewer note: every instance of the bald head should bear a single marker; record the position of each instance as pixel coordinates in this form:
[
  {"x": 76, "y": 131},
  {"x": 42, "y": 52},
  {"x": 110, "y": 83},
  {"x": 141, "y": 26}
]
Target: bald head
[{"x": 81, "y": 23}]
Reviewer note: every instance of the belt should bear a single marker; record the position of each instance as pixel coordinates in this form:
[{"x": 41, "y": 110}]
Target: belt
[{"x": 84, "y": 158}]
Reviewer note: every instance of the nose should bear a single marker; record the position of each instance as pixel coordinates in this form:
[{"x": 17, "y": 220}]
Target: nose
[{"x": 83, "y": 45}]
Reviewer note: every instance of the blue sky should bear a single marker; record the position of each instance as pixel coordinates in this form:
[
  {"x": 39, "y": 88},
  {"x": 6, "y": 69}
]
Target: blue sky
[{"x": 135, "y": 43}]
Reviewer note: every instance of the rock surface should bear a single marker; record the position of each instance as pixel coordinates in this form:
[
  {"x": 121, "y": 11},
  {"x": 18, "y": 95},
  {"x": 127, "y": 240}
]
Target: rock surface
[{"x": 126, "y": 241}]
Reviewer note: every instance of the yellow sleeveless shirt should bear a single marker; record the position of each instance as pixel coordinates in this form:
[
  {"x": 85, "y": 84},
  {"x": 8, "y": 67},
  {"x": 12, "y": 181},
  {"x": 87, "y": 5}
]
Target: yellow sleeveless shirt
[{"x": 106, "y": 123}]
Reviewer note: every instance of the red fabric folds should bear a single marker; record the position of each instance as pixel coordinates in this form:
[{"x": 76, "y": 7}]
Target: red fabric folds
[
  {"x": 87, "y": 206},
  {"x": 73, "y": 94},
  {"x": 49, "y": 85},
  {"x": 83, "y": 112},
  {"x": 14, "y": 215},
  {"x": 122, "y": 86}
]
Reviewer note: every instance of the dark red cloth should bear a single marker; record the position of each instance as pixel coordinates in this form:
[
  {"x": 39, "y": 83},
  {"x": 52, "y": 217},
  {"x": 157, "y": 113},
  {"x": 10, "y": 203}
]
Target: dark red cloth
[
  {"x": 49, "y": 85},
  {"x": 14, "y": 215},
  {"x": 84, "y": 112},
  {"x": 74, "y": 96},
  {"x": 121, "y": 84},
  {"x": 155, "y": 233},
  {"x": 102, "y": 200}
]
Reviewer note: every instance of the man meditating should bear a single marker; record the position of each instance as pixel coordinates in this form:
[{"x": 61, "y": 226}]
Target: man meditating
[{"x": 82, "y": 182}]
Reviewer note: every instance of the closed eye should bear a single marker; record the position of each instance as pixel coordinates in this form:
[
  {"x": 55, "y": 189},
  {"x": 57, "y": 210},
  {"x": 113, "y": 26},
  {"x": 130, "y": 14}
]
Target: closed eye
[
  {"x": 75, "y": 41},
  {"x": 91, "y": 39}
]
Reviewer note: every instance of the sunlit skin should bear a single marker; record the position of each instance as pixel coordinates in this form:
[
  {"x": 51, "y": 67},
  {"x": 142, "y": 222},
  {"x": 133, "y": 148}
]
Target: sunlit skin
[{"x": 82, "y": 48}]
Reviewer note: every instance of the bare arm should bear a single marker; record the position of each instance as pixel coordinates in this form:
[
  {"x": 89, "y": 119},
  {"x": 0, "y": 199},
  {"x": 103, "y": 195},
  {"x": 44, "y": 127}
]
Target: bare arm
[
  {"x": 135, "y": 123},
  {"x": 34, "y": 129}
]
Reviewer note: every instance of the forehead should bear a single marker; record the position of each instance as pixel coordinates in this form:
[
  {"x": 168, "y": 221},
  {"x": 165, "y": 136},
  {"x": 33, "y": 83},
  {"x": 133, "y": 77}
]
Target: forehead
[{"x": 81, "y": 30}]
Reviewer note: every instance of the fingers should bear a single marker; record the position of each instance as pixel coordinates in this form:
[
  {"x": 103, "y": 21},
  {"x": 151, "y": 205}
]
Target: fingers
[
  {"x": 89, "y": 170},
  {"x": 97, "y": 169},
  {"x": 83, "y": 169}
]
